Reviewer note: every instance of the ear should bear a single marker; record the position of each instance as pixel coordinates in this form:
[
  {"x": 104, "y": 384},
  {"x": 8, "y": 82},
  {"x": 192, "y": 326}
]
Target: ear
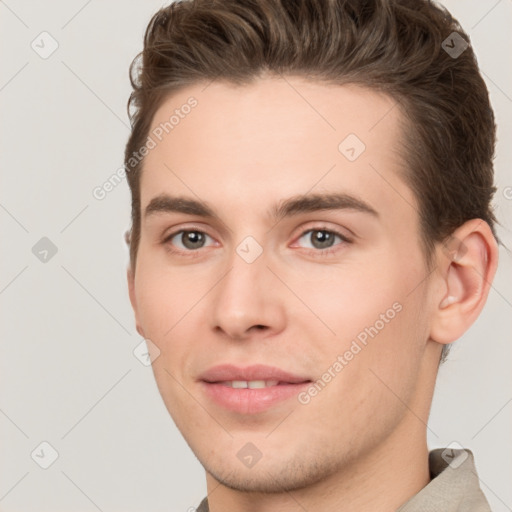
[
  {"x": 467, "y": 264},
  {"x": 131, "y": 290}
]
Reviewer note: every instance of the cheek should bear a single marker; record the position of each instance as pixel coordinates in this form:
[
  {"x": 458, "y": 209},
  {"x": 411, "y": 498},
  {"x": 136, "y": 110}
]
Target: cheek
[
  {"x": 163, "y": 298},
  {"x": 375, "y": 311},
  {"x": 164, "y": 303},
  {"x": 375, "y": 363},
  {"x": 394, "y": 333},
  {"x": 350, "y": 298}
]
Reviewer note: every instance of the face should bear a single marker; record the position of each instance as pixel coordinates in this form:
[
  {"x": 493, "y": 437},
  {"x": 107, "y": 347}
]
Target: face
[{"x": 295, "y": 245}]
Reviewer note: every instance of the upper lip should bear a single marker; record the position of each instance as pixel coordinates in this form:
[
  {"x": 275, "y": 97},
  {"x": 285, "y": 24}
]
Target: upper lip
[{"x": 229, "y": 372}]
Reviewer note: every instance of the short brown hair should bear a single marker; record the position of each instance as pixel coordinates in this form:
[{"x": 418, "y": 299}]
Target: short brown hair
[{"x": 392, "y": 46}]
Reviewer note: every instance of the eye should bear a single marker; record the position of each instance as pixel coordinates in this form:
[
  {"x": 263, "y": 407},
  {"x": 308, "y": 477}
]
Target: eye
[
  {"x": 187, "y": 240},
  {"x": 323, "y": 240},
  {"x": 317, "y": 240}
]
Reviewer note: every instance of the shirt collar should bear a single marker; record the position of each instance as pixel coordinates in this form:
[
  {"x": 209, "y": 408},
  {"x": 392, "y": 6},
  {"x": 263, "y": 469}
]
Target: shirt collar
[{"x": 454, "y": 485}]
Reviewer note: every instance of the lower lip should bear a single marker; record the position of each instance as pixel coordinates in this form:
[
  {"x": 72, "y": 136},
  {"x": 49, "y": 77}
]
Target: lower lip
[{"x": 251, "y": 401}]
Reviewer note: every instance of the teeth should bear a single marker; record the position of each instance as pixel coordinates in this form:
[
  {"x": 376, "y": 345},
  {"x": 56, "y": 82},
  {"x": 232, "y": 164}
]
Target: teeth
[
  {"x": 238, "y": 384},
  {"x": 252, "y": 384}
]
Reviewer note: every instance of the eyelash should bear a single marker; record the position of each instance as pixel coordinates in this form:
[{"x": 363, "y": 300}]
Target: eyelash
[{"x": 194, "y": 253}]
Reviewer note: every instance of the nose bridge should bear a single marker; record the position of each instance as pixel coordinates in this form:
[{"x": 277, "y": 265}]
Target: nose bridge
[
  {"x": 246, "y": 297},
  {"x": 243, "y": 285}
]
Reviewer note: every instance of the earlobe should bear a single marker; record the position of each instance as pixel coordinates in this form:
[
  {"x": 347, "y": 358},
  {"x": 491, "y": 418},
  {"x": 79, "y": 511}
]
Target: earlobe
[
  {"x": 131, "y": 290},
  {"x": 467, "y": 266},
  {"x": 131, "y": 287}
]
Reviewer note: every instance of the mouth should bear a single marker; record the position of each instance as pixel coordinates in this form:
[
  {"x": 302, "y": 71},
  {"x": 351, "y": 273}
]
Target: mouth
[
  {"x": 254, "y": 384},
  {"x": 250, "y": 390},
  {"x": 255, "y": 376}
]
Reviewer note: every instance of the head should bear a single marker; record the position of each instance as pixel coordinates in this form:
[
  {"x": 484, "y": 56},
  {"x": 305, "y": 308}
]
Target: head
[{"x": 273, "y": 119}]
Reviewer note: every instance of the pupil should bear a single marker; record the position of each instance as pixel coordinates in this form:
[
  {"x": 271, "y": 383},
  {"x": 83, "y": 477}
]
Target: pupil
[
  {"x": 192, "y": 239},
  {"x": 322, "y": 239}
]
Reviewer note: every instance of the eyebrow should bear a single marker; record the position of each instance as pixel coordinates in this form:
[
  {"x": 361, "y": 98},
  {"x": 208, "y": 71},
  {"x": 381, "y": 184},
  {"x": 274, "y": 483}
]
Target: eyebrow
[{"x": 296, "y": 205}]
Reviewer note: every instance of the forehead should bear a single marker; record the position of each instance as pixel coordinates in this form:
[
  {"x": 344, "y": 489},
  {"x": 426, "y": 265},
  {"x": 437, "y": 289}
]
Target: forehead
[{"x": 275, "y": 138}]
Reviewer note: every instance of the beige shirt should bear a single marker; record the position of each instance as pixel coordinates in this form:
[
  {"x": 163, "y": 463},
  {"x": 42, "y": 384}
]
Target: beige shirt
[{"x": 454, "y": 486}]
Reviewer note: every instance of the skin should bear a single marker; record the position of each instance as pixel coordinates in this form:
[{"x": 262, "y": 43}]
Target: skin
[{"x": 360, "y": 443}]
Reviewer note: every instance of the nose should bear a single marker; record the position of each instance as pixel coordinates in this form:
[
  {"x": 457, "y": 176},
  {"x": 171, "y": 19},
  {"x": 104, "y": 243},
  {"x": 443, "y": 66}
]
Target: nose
[{"x": 248, "y": 300}]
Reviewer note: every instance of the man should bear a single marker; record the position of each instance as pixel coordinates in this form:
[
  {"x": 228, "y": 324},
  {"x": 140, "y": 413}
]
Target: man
[{"x": 311, "y": 229}]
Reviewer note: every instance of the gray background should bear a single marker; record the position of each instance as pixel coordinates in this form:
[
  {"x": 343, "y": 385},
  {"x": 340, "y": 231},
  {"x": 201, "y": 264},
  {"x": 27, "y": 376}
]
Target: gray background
[{"x": 68, "y": 373}]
